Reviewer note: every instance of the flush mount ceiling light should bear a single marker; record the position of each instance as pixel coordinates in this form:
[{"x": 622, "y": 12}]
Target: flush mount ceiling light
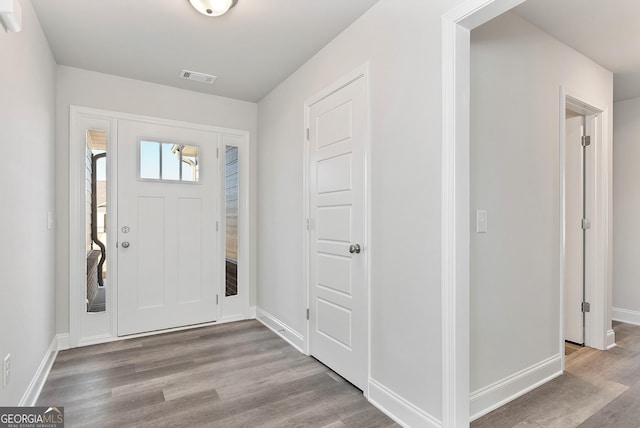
[{"x": 213, "y": 7}]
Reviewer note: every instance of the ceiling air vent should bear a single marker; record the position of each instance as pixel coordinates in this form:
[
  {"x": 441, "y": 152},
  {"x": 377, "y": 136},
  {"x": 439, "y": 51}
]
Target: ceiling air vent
[{"x": 198, "y": 77}]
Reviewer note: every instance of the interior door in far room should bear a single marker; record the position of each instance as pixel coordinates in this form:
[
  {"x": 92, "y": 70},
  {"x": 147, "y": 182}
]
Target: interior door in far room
[
  {"x": 575, "y": 230},
  {"x": 167, "y": 240},
  {"x": 337, "y": 259}
]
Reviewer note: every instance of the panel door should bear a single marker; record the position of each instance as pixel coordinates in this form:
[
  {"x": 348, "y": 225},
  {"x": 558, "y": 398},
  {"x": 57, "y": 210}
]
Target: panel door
[
  {"x": 168, "y": 268},
  {"x": 337, "y": 269},
  {"x": 574, "y": 262}
]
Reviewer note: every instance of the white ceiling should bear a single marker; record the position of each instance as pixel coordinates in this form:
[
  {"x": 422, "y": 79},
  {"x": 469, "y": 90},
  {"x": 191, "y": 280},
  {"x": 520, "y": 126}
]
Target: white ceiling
[
  {"x": 607, "y": 31},
  {"x": 251, "y": 49},
  {"x": 259, "y": 43}
]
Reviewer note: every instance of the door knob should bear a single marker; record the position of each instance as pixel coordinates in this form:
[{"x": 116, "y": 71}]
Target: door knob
[
  {"x": 354, "y": 248},
  {"x": 125, "y": 244}
]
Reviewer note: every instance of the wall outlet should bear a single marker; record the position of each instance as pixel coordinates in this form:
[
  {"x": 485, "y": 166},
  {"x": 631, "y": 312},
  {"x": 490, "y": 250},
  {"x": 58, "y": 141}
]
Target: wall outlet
[{"x": 6, "y": 370}]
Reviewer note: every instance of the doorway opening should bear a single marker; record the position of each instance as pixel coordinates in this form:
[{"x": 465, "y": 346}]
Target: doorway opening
[{"x": 580, "y": 143}]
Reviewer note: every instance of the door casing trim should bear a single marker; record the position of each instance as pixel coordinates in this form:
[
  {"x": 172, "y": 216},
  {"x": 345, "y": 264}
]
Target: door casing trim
[
  {"x": 359, "y": 72},
  {"x": 106, "y": 330}
]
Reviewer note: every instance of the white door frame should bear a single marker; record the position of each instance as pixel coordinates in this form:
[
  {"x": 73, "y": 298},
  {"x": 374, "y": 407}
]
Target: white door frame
[
  {"x": 360, "y": 72},
  {"x": 86, "y": 328},
  {"x": 598, "y": 332},
  {"x": 457, "y": 24},
  {"x": 89, "y": 328}
]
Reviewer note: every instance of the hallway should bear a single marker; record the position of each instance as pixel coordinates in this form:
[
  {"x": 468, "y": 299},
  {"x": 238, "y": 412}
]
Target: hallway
[{"x": 599, "y": 389}]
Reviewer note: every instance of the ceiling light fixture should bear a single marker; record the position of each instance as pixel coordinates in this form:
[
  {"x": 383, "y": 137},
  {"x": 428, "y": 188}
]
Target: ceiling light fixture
[{"x": 213, "y": 7}]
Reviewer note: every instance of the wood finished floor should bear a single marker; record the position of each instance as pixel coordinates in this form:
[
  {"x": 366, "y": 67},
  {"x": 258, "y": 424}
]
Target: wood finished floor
[
  {"x": 230, "y": 375},
  {"x": 598, "y": 389}
]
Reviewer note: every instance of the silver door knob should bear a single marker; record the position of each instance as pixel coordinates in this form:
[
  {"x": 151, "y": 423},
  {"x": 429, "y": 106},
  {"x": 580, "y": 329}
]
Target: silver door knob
[
  {"x": 354, "y": 248},
  {"x": 125, "y": 244}
]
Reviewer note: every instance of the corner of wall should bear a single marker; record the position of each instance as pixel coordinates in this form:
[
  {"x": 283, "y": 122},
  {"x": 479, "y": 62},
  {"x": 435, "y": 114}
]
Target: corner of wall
[{"x": 511, "y": 387}]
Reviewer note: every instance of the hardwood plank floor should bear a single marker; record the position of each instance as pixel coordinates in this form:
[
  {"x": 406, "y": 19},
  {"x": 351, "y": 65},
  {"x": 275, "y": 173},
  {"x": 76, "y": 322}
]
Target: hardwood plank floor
[
  {"x": 230, "y": 375},
  {"x": 598, "y": 389}
]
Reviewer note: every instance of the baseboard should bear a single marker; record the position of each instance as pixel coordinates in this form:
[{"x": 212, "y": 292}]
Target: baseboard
[
  {"x": 611, "y": 339},
  {"x": 63, "y": 341},
  {"x": 281, "y": 329},
  {"x": 501, "y": 392},
  {"x": 399, "y": 409},
  {"x": 625, "y": 315},
  {"x": 231, "y": 318},
  {"x": 31, "y": 395},
  {"x": 252, "y": 312}
]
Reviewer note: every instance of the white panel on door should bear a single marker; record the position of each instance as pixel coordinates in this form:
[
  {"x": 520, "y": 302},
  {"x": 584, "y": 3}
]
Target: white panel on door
[
  {"x": 337, "y": 275},
  {"x": 189, "y": 250},
  {"x": 169, "y": 272},
  {"x": 334, "y": 174},
  {"x": 334, "y": 322},
  {"x": 334, "y": 223},
  {"x": 334, "y": 125},
  {"x": 334, "y": 272},
  {"x": 151, "y": 281}
]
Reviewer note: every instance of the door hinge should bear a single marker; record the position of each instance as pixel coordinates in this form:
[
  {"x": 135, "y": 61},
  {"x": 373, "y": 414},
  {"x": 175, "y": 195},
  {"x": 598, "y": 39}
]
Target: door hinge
[
  {"x": 218, "y": 152},
  {"x": 586, "y": 224},
  {"x": 307, "y": 134},
  {"x": 308, "y": 224},
  {"x": 586, "y": 307},
  {"x": 216, "y": 299},
  {"x": 586, "y": 140},
  {"x": 307, "y": 314},
  {"x": 217, "y": 225}
]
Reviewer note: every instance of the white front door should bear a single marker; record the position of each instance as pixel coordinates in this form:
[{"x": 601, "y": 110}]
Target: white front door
[
  {"x": 168, "y": 267},
  {"x": 337, "y": 269}
]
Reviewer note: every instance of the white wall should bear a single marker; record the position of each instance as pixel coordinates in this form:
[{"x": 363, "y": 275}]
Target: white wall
[
  {"x": 107, "y": 92},
  {"x": 403, "y": 46},
  {"x": 517, "y": 71},
  {"x": 626, "y": 211},
  {"x": 27, "y": 120}
]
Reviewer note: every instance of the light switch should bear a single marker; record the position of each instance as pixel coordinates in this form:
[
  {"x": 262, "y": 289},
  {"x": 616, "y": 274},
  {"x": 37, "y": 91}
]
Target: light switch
[
  {"x": 481, "y": 221},
  {"x": 49, "y": 220}
]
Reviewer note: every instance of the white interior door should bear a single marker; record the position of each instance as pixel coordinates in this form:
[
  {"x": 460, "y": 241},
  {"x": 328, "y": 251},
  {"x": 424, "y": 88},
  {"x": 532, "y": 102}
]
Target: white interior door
[
  {"x": 337, "y": 268},
  {"x": 574, "y": 245},
  {"x": 168, "y": 267}
]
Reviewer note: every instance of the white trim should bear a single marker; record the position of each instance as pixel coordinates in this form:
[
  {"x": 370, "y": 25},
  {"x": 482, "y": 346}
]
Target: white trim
[
  {"x": 82, "y": 323},
  {"x": 31, "y": 395},
  {"x": 625, "y": 315},
  {"x": 455, "y": 246},
  {"x": 252, "y": 312},
  {"x": 501, "y": 392},
  {"x": 85, "y": 329},
  {"x": 100, "y": 339},
  {"x": 611, "y": 339},
  {"x": 280, "y": 328},
  {"x": 63, "y": 341},
  {"x": 362, "y": 71},
  {"x": 598, "y": 268},
  {"x": 456, "y": 26},
  {"x": 232, "y": 318},
  {"x": 400, "y": 410}
]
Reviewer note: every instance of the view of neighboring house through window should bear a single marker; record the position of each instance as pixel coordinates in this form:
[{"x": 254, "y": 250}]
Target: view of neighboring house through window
[
  {"x": 231, "y": 212},
  {"x": 96, "y": 219},
  {"x": 161, "y": 161}
]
